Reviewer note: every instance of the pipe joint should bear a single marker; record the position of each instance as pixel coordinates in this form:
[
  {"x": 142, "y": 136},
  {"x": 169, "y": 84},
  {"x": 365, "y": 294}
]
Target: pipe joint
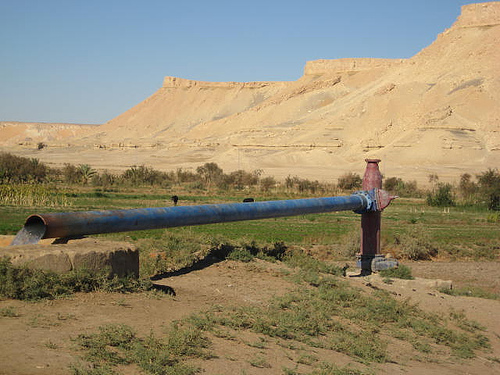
[
  {"x": 368, "y": 198},
  {"x": 377, "y": 200}
]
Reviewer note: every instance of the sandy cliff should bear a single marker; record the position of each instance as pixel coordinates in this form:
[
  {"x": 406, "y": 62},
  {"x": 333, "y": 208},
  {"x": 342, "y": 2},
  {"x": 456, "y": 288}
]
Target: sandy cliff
[{"x": 437, "y": 112}]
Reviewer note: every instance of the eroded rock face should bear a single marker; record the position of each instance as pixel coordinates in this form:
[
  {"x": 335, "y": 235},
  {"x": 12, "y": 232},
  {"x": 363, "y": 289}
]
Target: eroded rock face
[
  {"x": 481, "y": 14},
  {"x": 115, "y": 258},
  {"x": 434, "y": 113},
  {"x": 322, "y": 66}
]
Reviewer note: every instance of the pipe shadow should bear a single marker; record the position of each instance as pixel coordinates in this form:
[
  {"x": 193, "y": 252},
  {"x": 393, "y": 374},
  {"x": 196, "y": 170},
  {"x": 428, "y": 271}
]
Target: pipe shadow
[
  {"x": 208, "y": 261},
  {"x": 200, "y": 264},
  {"x": 165, "y": 289}
]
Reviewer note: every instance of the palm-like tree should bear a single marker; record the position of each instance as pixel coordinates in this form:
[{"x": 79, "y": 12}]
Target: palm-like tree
[{"x": 86, "y": 173}]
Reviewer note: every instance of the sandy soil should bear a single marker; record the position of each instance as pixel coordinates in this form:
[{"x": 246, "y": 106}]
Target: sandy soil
[{"x": 39, "y": 340}]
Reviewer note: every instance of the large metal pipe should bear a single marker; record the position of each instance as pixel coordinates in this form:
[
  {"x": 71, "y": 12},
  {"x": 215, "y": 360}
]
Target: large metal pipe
[{"x": 75, "y": 224}]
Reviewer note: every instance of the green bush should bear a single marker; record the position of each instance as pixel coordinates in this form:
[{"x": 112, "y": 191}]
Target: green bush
[
  {"x": 397, "y": 186},
  {"x": 19, "y": 170},
  {"x": 210, "y": 173},
  {"x": 442, "y": 197},
  {"x": 142, "y": 175},
  {"x": 241, "y": 179},
  {"x": 467, "y": 188},
  {"x": 489, "y": 186},
  {"x": 171, "y": 251}
]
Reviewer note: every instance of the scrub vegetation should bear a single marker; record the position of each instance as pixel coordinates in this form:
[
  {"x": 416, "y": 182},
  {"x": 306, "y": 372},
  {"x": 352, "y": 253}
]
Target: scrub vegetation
[
  {"x": 448, "y": 221},
  {"x": 322, "y": 311}
]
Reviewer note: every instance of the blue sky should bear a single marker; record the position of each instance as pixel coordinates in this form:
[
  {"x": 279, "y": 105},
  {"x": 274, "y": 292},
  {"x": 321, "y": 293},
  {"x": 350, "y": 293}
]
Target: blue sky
[{"x": 87, "y": 61}]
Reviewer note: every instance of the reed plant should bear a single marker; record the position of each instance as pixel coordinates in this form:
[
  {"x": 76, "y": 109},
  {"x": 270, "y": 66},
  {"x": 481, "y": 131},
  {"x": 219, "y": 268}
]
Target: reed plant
[{"x": 32, "y": 195}]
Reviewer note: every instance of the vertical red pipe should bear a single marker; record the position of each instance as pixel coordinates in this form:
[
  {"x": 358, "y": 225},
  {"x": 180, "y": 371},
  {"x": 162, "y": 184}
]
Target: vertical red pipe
[{"x": 370, "y": 221}]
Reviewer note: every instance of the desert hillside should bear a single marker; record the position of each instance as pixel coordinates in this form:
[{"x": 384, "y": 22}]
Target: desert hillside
[{"x": 437, "y": 112}]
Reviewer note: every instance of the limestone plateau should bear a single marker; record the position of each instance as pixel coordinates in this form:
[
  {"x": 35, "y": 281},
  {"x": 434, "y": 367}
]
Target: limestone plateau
[{"x": 436, "y": 112}]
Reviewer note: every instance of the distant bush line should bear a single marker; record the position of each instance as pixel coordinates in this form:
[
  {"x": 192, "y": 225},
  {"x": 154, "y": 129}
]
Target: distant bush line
[{"x": 483, "y": 190}]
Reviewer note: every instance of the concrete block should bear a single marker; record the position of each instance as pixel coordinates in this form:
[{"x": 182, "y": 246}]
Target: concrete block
[{"x": 112, "y": 257}]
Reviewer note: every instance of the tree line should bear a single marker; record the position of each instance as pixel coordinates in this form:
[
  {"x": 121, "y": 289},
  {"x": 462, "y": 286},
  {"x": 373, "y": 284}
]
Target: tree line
[{"x": 481, "y": 189}]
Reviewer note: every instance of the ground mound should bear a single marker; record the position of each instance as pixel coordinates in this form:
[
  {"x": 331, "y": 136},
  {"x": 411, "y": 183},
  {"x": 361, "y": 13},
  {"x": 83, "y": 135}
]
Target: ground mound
[{"x": 41, "y": 337}]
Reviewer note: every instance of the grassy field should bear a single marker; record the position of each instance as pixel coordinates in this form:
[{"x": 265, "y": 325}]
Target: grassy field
[
  {"x": 319, "y": 314},
  {"x": 455, "y": 232}
]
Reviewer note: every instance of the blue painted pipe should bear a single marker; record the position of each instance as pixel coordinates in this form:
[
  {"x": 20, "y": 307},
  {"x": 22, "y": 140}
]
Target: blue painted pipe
[{"x": 76, "y": 224}]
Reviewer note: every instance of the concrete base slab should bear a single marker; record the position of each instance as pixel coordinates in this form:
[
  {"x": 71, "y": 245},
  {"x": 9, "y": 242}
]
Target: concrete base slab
[
  {"x": 416, "y": 283},
  {"x": 115, "y": 258}
]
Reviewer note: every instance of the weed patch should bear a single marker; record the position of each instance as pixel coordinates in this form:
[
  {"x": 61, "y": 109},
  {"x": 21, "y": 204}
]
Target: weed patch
[
  {"x": 400, "y": 272},
  {"x": 316, "y": 313},
  {"x": 471, "y": 292},
  {"x": 23, "y": 283},
  {"x": 298, "y": 258},
  {"x": 118, "y": 344},
  {"x": 416, "y": 244},
  {"x": 9, "y": 312}
]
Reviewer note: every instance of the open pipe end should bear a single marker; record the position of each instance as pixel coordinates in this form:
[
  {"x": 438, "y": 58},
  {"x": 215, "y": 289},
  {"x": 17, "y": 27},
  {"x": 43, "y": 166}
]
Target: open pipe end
[{"x": 32, "y": 232}]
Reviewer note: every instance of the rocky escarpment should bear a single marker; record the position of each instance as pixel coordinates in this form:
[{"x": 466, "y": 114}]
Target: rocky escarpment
[
  {"x": 175, "y": 82},
  {"x": 319, "y": 67},
  {"x": 29, "y": 134},
  {"x": 436, "y": 112},
  {"x": 481, "y": 14}
]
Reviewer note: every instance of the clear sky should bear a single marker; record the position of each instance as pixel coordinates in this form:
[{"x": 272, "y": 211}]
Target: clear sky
[{"x": 87, "y": 61}]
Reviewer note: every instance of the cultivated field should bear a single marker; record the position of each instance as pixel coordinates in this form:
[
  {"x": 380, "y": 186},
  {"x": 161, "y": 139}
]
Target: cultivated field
[{"x": 264, "y": 297}]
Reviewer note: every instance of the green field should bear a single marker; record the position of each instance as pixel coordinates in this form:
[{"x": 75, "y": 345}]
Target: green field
[
  {"x": 455, "y": 232},
  {"x": 321, "y": 313}
]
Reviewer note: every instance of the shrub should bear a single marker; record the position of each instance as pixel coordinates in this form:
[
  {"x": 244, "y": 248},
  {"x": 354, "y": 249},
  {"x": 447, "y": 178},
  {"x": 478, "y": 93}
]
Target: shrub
[
  {"x": 489, "y": 186},
  {"x": 401, "y": 188},
  {"x": 241, "y": 179},
  {"x": 104, "y": 179},
  {"x": 442, "y": 197},
  {"x": 466, "y": 187},
  {"x": 117, "y": 344},
  {"x": 142, "y": 175},
  {"x": 416, "y": 244},
  {"x": 16, "y": 169},
  {"x": 267, "y": 183},
  {"x": 181, "y": 175},
  {"x": 210, "y": 173},
  {"x": 171, "y": 251},
  {"x": 303, "y": 185},
  {"x": 392, "y": 184},
  {"x": 350, "y": 181}
]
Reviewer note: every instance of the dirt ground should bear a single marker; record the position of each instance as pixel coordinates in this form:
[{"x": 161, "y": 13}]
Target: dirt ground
[{"x": 38, "y": 341}]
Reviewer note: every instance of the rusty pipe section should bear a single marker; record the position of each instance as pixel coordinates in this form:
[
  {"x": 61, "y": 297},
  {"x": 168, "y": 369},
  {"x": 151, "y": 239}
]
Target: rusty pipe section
[
  {"x": 76, "y": 224},
  {"x": 370, "y": 220}
]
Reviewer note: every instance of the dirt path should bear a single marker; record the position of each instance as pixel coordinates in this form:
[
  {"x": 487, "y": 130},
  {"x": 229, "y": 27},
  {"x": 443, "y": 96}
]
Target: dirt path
[{"x": 38, "y": 341}]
